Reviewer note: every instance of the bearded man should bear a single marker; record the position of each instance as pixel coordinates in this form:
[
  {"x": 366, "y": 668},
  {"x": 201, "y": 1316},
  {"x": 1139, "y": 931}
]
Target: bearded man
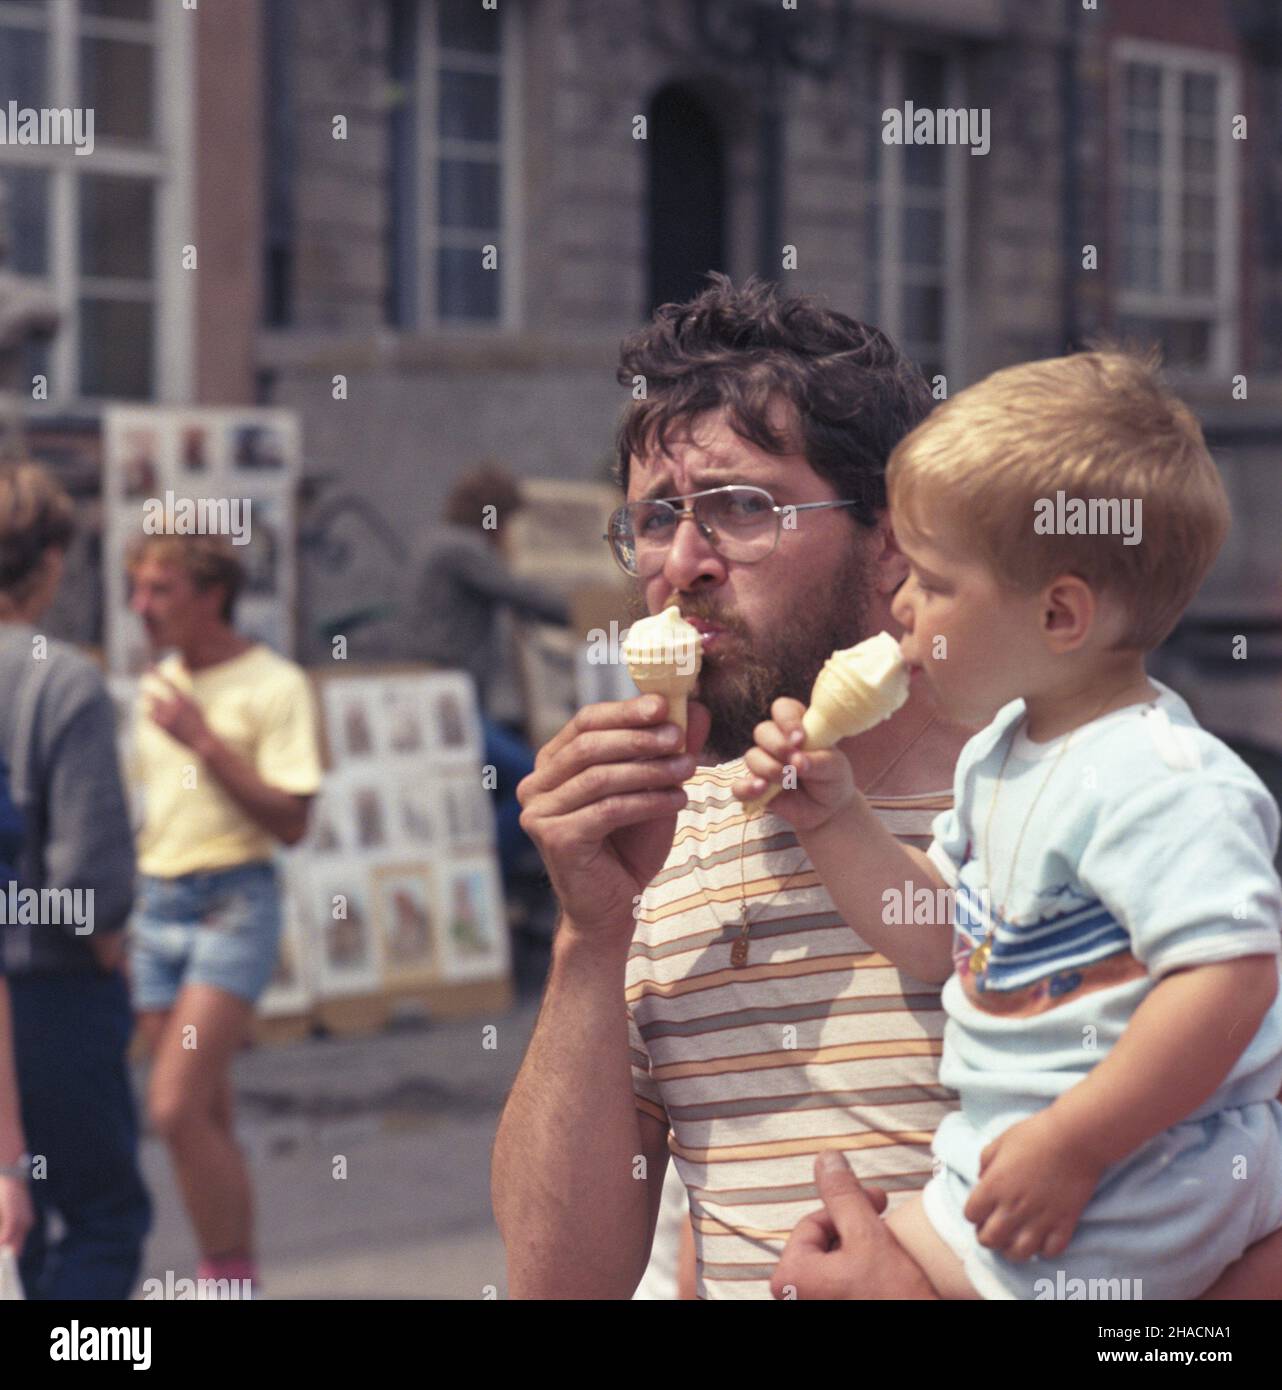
[{"x": 704, "y": 998}]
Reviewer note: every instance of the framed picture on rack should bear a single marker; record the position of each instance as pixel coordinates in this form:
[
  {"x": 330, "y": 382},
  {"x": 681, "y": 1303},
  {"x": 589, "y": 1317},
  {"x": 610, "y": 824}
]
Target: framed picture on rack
[
  {"x": 454, "y": 731},
  {"x": 369, "y": 815},
  {"x": 352, "y": 719},
  {"x": 416, "y": 810},
  {"x": 404, "y": 719},
  {"x": 406, "y": 911},
  {"x": 348, "y": 959},
  {"x": 474, "y": 942}
]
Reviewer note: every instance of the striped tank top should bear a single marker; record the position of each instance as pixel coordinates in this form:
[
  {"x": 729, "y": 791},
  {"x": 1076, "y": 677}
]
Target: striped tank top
[{"x": 817, "y": 1042}]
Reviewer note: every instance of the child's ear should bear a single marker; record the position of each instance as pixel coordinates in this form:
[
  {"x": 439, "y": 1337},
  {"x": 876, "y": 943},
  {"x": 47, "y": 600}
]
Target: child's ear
[
  {"x": 891, "y": 562},
  {"x": 1068, "y": 612}
]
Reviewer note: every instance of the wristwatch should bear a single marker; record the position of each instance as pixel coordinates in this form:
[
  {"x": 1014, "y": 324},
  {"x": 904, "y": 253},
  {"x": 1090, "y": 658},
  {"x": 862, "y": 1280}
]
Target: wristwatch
[{"x": 20, "y": 1169}]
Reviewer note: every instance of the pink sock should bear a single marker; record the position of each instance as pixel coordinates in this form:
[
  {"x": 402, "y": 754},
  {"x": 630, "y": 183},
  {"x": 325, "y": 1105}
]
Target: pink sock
[{"x": 240, "y": 1267}]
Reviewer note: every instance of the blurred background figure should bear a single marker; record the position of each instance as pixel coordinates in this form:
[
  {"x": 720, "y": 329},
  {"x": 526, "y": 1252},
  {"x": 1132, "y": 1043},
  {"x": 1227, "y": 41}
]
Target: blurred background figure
[
  {"x": 465, "y": 602},
  {"x": 71, "y": 1012},
  {"x": 227, "y": 760},
  {"x": 16, "y": 1214}
]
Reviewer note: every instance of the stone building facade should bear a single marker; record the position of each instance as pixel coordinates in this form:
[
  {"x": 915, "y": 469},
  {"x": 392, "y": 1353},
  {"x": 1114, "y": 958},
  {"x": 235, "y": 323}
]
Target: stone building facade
[{"x": 426, "y": 224}]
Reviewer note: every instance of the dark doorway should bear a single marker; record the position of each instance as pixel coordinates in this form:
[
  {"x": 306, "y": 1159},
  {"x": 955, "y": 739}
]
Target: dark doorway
[{"x": 687, "y": 195}]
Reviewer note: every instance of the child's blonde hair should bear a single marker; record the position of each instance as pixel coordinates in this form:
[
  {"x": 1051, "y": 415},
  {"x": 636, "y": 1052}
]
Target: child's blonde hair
[{"x": 1096, "y": 425}]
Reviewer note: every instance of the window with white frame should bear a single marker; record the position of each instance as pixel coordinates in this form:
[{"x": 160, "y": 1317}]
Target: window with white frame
[
  {"x": 913, "y": 210},
  {"x": 1177, "y": 202},
  {"x": 454, "y": 188},
  {"x": 89, "y": 228}
]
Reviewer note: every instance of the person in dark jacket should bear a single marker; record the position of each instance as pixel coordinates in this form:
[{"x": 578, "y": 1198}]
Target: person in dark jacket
[
  {"x": 70, "y": 1000},
  {"x": 466, "y": 598}
]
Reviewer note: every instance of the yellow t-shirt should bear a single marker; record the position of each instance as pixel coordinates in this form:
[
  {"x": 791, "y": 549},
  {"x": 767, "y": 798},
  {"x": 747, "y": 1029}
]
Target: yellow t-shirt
[{"x": 259, "y": 704}]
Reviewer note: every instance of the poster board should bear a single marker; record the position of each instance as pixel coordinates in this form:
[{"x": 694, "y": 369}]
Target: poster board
[
  {"x": 402, "y": 839},
  {"x": 183, "y": 470}
]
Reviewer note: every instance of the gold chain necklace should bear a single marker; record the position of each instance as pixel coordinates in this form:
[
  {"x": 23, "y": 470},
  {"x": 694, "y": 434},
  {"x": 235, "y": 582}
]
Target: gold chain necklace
[
  {"x": 980, "y": 955},
  {"x": 739, "y": 951}
]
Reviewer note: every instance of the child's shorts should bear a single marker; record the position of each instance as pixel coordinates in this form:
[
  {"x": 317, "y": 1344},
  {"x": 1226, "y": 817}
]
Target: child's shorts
[
  {"x": 1166, "y": 1223},
  {"x": 219, "y": 928}
]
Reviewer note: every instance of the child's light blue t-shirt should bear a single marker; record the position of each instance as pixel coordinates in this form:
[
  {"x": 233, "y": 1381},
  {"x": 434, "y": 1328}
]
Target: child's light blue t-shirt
[{"x": 1143, "y": 847}]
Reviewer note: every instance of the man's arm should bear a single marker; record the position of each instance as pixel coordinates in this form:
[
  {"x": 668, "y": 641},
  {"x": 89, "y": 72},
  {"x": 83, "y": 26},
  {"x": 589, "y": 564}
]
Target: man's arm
[
  {"x": 576, "y": 1220},
  {"x": 281, "y": 813},
  {"x": 490, "y": 576},
  {"x": 601, "y": 805}
]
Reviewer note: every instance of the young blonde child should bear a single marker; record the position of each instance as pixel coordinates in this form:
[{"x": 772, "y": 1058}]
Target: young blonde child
[{"x": 1114, "y": 1030}]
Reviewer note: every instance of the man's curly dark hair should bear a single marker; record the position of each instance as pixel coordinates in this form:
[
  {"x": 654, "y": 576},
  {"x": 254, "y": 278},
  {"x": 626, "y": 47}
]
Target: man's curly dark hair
[{"x": 855, "y": 394}]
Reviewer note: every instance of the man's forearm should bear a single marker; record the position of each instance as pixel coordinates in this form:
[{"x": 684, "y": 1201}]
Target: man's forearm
[
  {"x": 280, "y": 813},
  {"x": 574, "y": 1217},
  {"x": 858, "y": 860}
]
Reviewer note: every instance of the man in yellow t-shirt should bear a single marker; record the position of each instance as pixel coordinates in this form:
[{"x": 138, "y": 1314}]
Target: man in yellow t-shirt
[{"x": 227, "y": 758}]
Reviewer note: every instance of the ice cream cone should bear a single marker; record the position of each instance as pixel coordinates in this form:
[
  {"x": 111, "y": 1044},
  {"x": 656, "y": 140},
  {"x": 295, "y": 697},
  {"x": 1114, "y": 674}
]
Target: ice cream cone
[
  {"x": 664, "y": 654},
  {"x": 856, "y": 689},
  {"x": 663, "y": 682}
]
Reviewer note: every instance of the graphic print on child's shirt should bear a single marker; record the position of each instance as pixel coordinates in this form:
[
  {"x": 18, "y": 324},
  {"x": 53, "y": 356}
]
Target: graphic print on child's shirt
[{"x": 1073, "y": 945}]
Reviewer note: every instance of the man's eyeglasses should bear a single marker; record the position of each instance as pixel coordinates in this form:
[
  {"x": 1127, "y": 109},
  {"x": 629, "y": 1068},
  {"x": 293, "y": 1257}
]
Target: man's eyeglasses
[{"x": 740, "y": 523}]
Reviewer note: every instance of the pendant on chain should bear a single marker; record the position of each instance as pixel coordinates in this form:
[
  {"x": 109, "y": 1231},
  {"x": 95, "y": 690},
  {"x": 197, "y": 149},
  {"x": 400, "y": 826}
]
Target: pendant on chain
[{"x": 739, "y": 951}]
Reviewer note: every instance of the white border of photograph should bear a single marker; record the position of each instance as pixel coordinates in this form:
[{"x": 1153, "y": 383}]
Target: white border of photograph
[
  {"x": 280, "y": 1000},
  {"x": 492, "y": 962},
  {"x": 470, "y": 747}
]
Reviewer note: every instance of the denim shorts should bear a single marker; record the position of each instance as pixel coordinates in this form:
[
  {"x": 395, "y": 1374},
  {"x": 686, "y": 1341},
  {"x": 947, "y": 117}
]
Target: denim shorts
[{"x": 220, "y": 928}]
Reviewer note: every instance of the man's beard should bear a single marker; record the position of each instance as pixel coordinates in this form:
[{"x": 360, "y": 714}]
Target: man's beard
[{"x": 740, "y": 688}]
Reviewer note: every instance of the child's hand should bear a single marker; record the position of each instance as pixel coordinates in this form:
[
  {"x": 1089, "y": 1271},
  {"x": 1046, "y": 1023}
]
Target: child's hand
[
  {"x": 818, "y": 784},
  {"x": 1033, "y": 1187}
]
